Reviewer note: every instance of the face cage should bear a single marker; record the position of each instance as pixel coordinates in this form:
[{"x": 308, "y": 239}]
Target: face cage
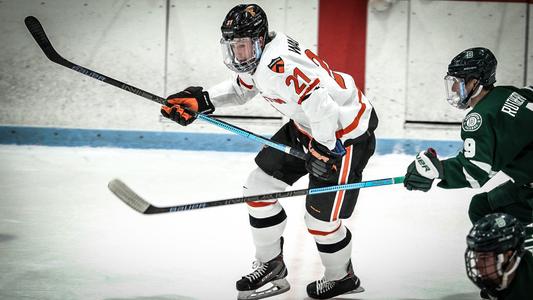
[
  {"x": 456, "y": 93},
  {"x": 492, "y": 281},
  {"x": 250, "y": 46}
]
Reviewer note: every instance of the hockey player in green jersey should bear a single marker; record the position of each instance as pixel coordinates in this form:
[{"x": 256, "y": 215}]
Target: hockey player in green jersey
[
  {"x": 497, "y": 135},
  {"x": 496, "y": 260}
]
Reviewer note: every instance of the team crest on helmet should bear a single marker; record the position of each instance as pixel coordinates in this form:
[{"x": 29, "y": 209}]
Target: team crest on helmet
[
  {"x": 500, "y": 222},
  {"x": 472, "y": 122},
  {"x": 250, "y": 10},
  {"x": 277, "y": 65}
]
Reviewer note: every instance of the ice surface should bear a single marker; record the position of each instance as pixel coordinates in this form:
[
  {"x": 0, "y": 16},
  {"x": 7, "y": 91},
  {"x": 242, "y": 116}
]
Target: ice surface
[{"x": 63, "y": 235}]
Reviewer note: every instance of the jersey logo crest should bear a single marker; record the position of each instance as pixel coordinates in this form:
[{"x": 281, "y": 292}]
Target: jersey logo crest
[
  {"x": 472, "y": 122},
  {"x": 277, "y": 65}
]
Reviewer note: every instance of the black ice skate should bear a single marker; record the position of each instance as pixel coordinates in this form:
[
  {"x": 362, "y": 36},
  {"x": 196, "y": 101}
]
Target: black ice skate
[
  {"x": 267, "y": 280},
  {"x": 322, "y": 289}
]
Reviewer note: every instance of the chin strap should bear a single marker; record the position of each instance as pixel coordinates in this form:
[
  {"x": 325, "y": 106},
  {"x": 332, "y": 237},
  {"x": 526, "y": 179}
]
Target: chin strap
[
  {"x": 479, "y": 89},
  {"x": 505, "y": 277},
  {"x": 473, "y": 93}
]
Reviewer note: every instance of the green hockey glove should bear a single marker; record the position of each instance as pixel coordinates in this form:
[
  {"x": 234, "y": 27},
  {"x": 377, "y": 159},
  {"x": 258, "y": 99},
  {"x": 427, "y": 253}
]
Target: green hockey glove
[{"x": 423, "y": 170}]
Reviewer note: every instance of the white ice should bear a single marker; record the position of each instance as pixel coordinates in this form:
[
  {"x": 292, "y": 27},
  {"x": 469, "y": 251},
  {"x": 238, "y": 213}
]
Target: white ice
[{"x": 63, "y": 235}]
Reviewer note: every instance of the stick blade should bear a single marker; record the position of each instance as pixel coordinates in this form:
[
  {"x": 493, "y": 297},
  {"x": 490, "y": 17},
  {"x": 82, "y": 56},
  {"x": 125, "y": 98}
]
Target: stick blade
[
  {"x": 37, "y": 31},
  {"x": 128, "y": 196}
]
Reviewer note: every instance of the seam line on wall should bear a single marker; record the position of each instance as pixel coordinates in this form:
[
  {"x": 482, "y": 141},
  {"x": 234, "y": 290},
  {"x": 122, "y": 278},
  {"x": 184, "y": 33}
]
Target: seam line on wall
[
  {"x": 526, "y": 54},
  {"x": 167, "y": 27},
  {"x": 407, "y": 48}
]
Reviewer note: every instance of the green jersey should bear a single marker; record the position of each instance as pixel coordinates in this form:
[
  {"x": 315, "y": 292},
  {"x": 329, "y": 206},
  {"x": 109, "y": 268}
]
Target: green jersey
[{"x": 498, "y": 136}]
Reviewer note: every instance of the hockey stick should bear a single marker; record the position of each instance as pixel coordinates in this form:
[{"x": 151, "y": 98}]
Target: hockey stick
[
  {"x": 128, "y": 196},
  {"x": 37, "y": 31}
]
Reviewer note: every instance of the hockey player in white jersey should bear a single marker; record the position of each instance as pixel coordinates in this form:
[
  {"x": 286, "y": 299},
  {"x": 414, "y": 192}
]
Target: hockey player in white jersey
[{"x": 330, "y": 119}]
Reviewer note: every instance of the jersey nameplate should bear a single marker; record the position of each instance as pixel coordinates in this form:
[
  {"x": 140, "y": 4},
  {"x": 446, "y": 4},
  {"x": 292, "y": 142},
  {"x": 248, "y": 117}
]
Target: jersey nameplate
[
  {"x": 512, "y": 104},
  {"x": 293, "y": 45},
  {"x": 472, "y": 122}
]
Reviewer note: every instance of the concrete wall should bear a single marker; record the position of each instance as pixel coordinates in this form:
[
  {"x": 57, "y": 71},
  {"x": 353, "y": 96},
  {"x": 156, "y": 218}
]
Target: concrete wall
[
  {"x": 408, "y": 49},
  {"x": 125, "y": 40},
  {"x": 122, "y": 39},
  {"x": 410, "y": 46}
]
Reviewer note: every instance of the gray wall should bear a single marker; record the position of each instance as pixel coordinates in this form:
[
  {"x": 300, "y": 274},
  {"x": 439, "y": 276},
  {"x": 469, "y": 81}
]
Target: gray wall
[
  {"x": 126, "y": 40},
  {"x": 122, "y": 39},
  {"x": 410, "y": 45},
  {"x": 408, "y": 49}
]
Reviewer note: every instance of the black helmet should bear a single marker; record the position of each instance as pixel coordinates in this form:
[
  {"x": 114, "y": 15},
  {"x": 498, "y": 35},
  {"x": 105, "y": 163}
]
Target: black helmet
[
  {"x": 496, "y": 232},
  {"x": 245, "y": 20},
  {"x": 474, "y": 63},
  {"x": 488, "y": 244},
  {"x": 242, "y": 30}
]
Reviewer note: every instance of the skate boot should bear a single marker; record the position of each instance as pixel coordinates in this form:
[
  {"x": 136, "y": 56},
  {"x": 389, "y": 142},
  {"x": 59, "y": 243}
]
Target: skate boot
[
  {"x": 267, "y": 280},
  {"x": 323, "y": 289}
]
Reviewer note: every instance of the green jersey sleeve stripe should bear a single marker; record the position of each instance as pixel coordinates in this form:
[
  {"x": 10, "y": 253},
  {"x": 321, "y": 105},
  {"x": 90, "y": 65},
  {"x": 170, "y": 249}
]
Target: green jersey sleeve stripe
[
  {"x": 473, "y": 182},
  {"x": 487, "y": 168}
]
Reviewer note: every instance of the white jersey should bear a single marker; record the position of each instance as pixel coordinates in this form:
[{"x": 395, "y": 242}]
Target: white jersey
[{"x": 323, "y": 104}]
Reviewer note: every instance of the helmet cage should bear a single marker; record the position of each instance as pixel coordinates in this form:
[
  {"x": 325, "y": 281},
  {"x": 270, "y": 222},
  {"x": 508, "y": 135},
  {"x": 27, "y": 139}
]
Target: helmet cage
[
  {"x": 456, "y": 93},
  {"x": 241, "y": 55},
  {"x": 495, "y": 246},
  {"x": 490, "y": 270},
  {"x": 244, "y": 34}
]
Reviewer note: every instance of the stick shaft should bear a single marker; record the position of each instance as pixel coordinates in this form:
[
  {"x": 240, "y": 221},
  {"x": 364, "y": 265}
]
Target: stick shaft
[
  {"x": 37, "y": 31},
  {"x": 127, "y": 195}
]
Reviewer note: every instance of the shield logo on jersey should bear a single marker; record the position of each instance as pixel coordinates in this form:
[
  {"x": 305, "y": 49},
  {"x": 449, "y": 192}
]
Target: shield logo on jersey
[
  {"x": 277, "y": 65},
  {"x": 472, "y": 122}
]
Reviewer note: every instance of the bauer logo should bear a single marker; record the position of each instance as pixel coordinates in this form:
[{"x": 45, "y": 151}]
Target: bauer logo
[
  {"x": 88, "y": 73},
  {"x": 472, "y": 122}
]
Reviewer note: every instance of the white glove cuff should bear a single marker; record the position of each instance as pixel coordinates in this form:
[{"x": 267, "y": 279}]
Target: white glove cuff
[{"x": 425, "y": 167}]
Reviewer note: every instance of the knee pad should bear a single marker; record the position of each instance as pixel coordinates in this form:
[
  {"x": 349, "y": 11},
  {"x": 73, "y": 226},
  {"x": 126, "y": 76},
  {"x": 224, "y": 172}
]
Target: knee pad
[
  {"x": 325, "y": 232},
  {"x": 259, "y": 182}
]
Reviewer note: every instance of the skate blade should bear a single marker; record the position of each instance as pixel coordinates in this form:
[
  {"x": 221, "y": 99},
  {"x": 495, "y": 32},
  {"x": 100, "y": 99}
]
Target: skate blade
[{"x": 276, "y": 287}]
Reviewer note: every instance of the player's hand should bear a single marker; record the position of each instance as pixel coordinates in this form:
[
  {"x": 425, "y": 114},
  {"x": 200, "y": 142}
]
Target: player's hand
[
  {"x": 421, "y": 172},
  {"x": 322, "y": 162},
  {"x": 193, "y": 98}
]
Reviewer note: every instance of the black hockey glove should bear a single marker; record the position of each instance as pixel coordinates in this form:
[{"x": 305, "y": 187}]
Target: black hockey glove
[
  {"x": 193, "y": 98},
  {"x": 421, "y": 172},
  {"x": 322, "y": 162}
]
